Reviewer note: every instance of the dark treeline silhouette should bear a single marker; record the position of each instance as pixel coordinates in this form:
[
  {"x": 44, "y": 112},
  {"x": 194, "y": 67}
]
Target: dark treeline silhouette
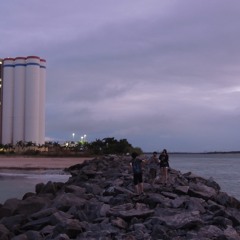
[{"x": 103, "y": 146}]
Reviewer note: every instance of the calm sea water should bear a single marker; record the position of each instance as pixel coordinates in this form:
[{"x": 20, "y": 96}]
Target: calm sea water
[
  {"x": 223, "y": 168},
  {"x": 16, "y": 184}
]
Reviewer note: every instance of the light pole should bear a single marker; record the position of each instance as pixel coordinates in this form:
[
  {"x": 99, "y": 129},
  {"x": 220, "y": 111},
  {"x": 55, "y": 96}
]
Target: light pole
[
  {"x": 73, "y": 136},
  {"x": 85, "y": 137}
]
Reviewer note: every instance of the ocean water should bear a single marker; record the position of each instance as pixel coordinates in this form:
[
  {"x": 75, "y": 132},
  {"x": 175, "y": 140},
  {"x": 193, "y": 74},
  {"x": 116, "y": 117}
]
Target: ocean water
[
  {"x": 14, "y": 184},
  {"x": 223, "y": 168}
]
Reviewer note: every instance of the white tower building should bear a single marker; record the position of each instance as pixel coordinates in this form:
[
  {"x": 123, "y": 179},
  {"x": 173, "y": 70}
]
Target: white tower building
[
  {"x": 7, "y": 101},
  {"x": 19, "y": 99},
  {"x": 42, "y": 96},
  {"x": 23, "y": 101},
  {"x": 32, "y": 99}
]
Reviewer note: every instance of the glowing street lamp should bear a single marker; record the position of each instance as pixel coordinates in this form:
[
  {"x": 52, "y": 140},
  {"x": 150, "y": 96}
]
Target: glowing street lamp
[
  {"x": 85, "y": 137},
  {"x": 73, "y": 136}
]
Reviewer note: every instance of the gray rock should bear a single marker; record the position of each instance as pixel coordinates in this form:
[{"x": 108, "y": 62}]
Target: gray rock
[
  {"x": 8, "y": 208},
  {"x": 181, "y": 189},
  {"x": 47, "y": 231},
  {"x": 202, "y": 191},
  {"x": 179, "y": 202},
  {"x": 31, "y": 205},
  {"x": 231, "y": 233},
  {"x": 104, "y": 209},
  {"x": 234, "y": 215},
  {"x": 226, "y": 200},
  {"x": 76, "y": 190},
  {"x": 62, "y": 236},
  {"x": 71, "y": 227},
  {"x": 20, "y": 237},
  {"x": 4, "y": 232},
  {"x": 213, "y": 206},
  {"x": 65, "y": 201},
  {"x": 210, "y": 232},
  {"x": 36, "y": 225},
  {"x": 39, "y": 187},
  {"x": 43, "y": 213},
  {"x": 196, "y": 204},
  {"x": 154, "y": 199},
  {"x": 59, "y": 217},
  {"x": 33, "y": 235},
  {"x": 120, "y": 223},
  {"x": 179, "y": 219},
  {"x": 13, "y": 222},
  {"x": 169, "y": 195}
]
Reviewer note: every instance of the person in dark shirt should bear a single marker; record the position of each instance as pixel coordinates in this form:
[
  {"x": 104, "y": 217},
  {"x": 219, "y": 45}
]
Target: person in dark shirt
[
  {"x": 164, "y": 165},
  {"x": 153, "y": 165},
  {"x": 136, "y": 164}
]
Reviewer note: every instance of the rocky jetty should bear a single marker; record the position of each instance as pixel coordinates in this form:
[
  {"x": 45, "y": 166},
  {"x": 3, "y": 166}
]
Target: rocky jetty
[{"x": 98, "y": 202}]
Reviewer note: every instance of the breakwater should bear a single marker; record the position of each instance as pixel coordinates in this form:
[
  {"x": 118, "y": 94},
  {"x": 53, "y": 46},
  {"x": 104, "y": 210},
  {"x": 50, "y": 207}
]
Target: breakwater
[{"x": 98, "y": 202}]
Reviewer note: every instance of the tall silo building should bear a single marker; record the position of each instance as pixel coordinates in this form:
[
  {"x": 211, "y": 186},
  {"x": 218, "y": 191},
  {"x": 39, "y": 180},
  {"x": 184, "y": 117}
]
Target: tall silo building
[
  {"x": 23, "y": 100},
  {"x": 0, "y": 100}
]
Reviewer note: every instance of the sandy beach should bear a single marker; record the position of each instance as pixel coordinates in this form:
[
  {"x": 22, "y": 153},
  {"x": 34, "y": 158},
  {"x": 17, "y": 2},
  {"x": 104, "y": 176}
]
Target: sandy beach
[{"x": 39, "y": 162}]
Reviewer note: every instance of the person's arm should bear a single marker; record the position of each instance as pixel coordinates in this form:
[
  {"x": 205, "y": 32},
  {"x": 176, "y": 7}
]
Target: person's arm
[
  {"x": 145, "y": 161},
  {"x": 130, "y": 166},
  {"x": 168, "y": 161}
]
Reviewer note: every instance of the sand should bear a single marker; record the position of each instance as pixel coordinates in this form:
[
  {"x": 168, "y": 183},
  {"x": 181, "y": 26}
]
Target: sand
[{"x": 38, "y": 162}]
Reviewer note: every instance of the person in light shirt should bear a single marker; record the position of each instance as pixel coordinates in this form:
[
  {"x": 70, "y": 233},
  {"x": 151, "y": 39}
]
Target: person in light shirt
[{"x": 153, "y": 164}]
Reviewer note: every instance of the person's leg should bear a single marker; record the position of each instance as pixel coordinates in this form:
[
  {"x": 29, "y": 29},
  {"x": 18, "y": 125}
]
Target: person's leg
[
  {"x": 161, "y": 175},
  {"x": 154, "y": 176},
  {"x": 151, "y": 176},
  {"x": 165, "y": 174},
  {"x": 135, "y": 182},
  {"x": 136, "y": 189},
  {"x": 140, "y": 185}
]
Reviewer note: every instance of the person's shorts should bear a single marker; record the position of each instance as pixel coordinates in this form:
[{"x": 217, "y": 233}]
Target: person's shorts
[
  {"x": 152, "y": 173},
  {"x": 137, "y": 178},
  {"x": 164, "y": 165}
]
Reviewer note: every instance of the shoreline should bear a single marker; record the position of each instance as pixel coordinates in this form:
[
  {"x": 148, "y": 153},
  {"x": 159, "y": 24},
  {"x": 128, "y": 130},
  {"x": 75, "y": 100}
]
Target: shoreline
[{"x": 39, "y": 163}]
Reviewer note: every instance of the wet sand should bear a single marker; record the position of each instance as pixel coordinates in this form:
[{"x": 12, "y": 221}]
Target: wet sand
[{"x": 39, "y": 162}]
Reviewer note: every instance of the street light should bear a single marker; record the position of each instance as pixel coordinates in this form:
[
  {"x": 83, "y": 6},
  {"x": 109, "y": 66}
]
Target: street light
[
  {"x": 73, "y": 136},
  {"x": 85, "y": 137}
]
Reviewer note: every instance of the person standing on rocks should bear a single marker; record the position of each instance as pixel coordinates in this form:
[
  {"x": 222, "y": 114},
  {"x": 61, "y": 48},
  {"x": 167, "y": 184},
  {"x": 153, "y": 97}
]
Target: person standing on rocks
[
  {"x": 136, "y": 164},
  {"x": 164, "y": 165},
  {"x": 153, "y": 163}
]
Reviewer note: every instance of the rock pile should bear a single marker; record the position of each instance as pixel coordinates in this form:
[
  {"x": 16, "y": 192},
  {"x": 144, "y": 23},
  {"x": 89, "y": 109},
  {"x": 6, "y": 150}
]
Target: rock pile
[{"x": 98, "y": 202}]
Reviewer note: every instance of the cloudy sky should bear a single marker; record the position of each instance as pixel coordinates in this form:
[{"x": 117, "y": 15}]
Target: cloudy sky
[{"x": 162, "y": 74}]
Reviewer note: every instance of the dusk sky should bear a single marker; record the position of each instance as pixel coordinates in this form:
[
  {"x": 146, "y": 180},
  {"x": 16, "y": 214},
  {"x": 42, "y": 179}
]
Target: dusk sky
[{"x": 162, "y": 74}]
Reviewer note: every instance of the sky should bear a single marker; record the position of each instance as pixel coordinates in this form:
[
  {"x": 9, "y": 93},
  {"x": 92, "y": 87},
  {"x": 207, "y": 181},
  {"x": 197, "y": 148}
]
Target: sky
[{"x": 161, "y": 74}]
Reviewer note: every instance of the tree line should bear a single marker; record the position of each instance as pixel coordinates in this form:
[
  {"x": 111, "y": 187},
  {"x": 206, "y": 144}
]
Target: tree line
[{"x": 103, "y": 146}]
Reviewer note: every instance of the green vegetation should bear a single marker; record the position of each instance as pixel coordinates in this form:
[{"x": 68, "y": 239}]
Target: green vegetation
[
  {"x": 111, "y": 146},
  {"x": 103, "y": 146}
]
